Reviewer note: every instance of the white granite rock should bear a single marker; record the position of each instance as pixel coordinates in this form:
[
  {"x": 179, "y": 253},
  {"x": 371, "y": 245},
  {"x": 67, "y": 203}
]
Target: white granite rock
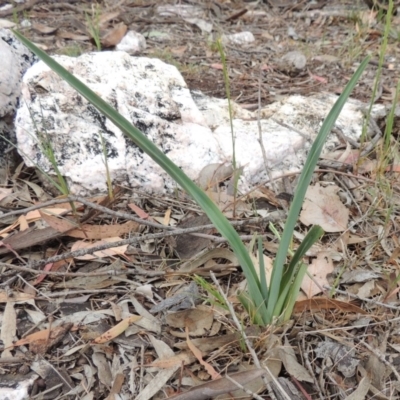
[
  {"x": 192, "y": 129},
  {"x": 148, "y": 92},
  {"x": 132, "y": 43},
  {"x": 9, "y": 79},
  {"x": 15, "y": 59}
]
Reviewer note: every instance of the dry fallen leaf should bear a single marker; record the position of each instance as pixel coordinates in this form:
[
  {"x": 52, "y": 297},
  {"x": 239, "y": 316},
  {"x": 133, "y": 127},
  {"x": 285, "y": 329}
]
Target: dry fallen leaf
[
  {"x": 120, "y": 250},
  {"x": 117, "y": 329},
  {"x": 323, "y": 303},
  {"x": 197, "y": 353},
  {"x": 94, "y": 232},
  {"x": 5, "y": 23},
  {"x": 61, "y": 225},
  {"x": 114, "y": 36},
  {"x": 4, "y": 192},
  {"x": 292, "y": 366},
  {"x": 184, "y": 357},
  {"x": 16, "y": 297},
  {"x": 161, "y": 378},
  {"x": 320, "y": 267},
  {"x": 40, "y": 342},
  {"x": 8, "y": 328},
  {"x": 214, "y": 174},
  {"x": 322, "y": 206},
  {"x": 72, "y": 36},
  {"x": 96, "y": 282},
  {"x": 103, "y": 368},
  {"x": 140, "y": 212},
  {"x": 45, "y": 29},
  {"x": 197, "y": 320}
]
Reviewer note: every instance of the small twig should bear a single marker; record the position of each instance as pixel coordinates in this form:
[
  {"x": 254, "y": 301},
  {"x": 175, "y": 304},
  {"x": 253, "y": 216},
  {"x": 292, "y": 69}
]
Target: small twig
[
  {"x": 260, "y": 136},
  {"x": 98, "y": 207},
  {"x": 249, "y": 392},
  {"x": 80, "y": 292},
  {"x": 13, "y": 360},
  {"x": 309, "y": 367},
  {"x": 289, "y": 174},
  {"x": 65, "y": 382},
  {"x": 142, "y": 363},
  {"x": 28, "y": 284},
  {"x": 39, "y": 323},
  {"x": 41, "y": 394},
  {"x": 353, "y": 296},
  {"x": 136, "y": 239},
  {"x": 62, "y": 274},
  {"x": 348, "y": 328},
  {"x": 381, "y": 358},
  {"x": 9, "y": 281},
  {"x": 128, "y": 216},
  {"x": 314, "y": 14},
  {"x": 345, "y": 187}
]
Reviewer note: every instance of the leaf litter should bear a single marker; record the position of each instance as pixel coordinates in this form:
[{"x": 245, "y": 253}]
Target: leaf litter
[{"x": 116, "y": 321}]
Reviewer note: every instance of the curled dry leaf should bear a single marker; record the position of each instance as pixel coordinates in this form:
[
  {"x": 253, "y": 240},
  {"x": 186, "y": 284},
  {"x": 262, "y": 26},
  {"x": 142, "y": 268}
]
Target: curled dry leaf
[
  {"x": 322, "y": 206},
  {"x": 114, "y": 36},
  {"x": 214, "y": 174}
]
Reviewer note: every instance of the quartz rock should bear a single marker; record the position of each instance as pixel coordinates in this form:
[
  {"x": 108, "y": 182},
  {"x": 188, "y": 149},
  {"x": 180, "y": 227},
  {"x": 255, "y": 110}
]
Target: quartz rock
[
  {"x": 132, "y": 43},
  {"x": 149, "y": 93},
  {"x": 193, "y": 130},
  {"x": 15, "y": 59}
]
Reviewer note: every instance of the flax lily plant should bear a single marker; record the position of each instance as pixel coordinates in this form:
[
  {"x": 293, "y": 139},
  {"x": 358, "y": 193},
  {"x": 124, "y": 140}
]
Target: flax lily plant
[{"x": 265, "y": 303}]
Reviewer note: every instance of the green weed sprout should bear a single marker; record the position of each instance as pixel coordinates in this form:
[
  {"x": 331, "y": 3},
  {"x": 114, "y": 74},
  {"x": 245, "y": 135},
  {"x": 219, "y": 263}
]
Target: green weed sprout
[
  {"x": 264, "y": 304},
  {"x": 93, "y": 23}
]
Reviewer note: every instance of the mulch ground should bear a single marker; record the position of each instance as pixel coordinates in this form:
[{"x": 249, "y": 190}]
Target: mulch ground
[{"x": 141, "y": 318}]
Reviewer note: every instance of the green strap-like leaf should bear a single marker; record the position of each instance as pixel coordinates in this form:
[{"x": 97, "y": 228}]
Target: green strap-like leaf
[
  {"x": 304, "y": 181},
  {"x": 212, "y": 211}
]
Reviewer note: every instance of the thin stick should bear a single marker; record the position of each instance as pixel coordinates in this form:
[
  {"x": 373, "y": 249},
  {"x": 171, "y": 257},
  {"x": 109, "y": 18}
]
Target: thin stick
[
  {"x": 249, "y": 392},
  {"x": 381, "y": 358},
  {"x": 353, "y": 296},
  {"x": 136, "y": 239}
]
